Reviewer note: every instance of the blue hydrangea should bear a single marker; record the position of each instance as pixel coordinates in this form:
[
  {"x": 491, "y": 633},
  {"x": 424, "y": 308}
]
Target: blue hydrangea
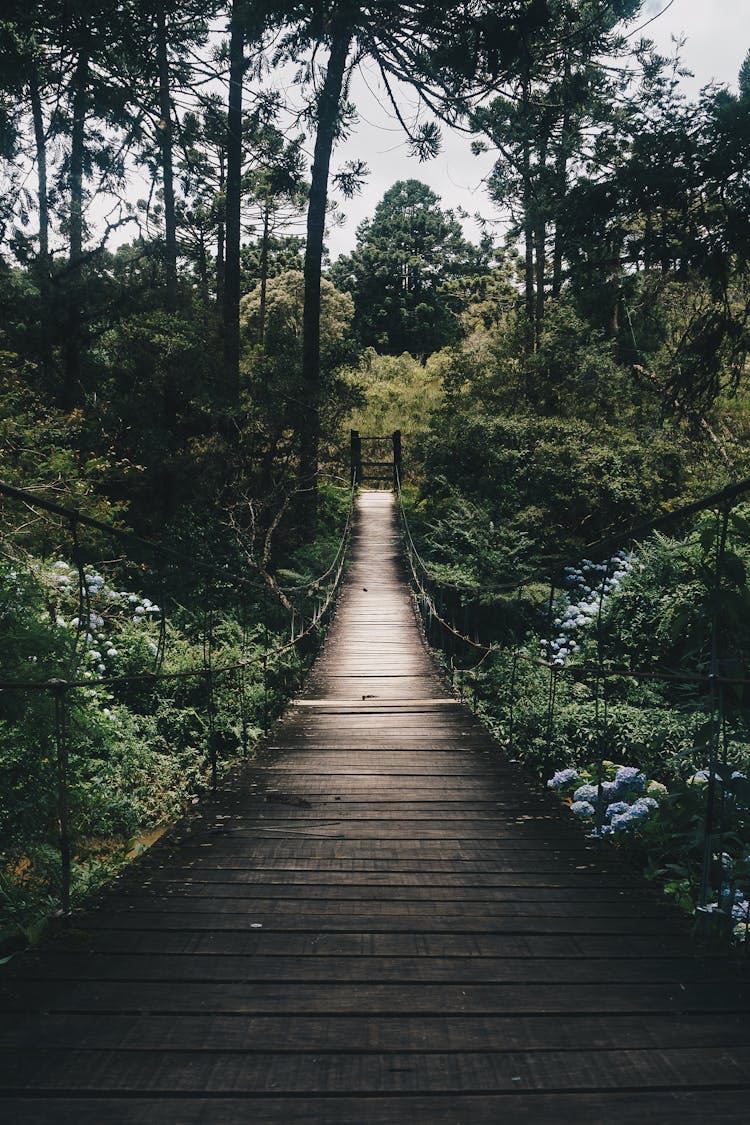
[
  {"x": 633, "y": 814},
  {"x": 591, "y": 792},
  {"x": 731, "y": 895},
  {"x": 616, "y": 808},
  {"x": 582, "y": 809},
  {"x": 741, "y": 911},
  {"x": 563, "y": 778},
  {"x": 631, "y": 778}
]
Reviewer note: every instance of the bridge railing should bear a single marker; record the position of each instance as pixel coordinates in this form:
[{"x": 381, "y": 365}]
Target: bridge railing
[
  {"x": 500, "y": 640},
  {"x": 224, "y": 645}
]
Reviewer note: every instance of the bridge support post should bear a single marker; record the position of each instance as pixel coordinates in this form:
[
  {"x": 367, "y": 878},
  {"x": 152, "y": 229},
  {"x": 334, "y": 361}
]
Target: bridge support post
[
  {"x": 396, "y": 456},
  {"x": 356, "y": 457}
]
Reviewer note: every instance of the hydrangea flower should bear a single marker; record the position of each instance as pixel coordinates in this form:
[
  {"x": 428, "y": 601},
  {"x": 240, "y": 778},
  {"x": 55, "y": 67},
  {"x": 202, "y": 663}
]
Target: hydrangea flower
[
  {"x": 741, "y": 911},
  {"x": 700, "y": 777},
  {"x": 616, "y": 808},
  {"x": 630, "y": 777},
  {"x": 582, "y": 809},
  {"x": 562, "y": 778},
  {"x": 584, "y": 596},
  {"x": 586, "y": 793}
]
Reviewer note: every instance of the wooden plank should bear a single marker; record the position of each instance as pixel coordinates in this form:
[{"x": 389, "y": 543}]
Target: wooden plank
[
  {"x": 679, "y": 1107},
  {"x": 275, "y": 998},
  {"x": 104, "y": 1072},
  {"x": 68, "y": 965},
  {"x": 211, "y": 1032},
  {"x": 304, "y": 943}
]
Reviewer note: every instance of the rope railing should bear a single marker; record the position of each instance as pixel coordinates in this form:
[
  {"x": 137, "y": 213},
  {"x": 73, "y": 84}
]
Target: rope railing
[
  {"x": 506, "y": 632},
  {"x": 72, "y": 677},
  {"x": 413, "y": 557}
]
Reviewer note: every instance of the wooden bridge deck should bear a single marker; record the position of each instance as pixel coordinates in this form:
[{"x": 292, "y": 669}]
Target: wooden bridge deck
[{"x": 380, "y": 923}]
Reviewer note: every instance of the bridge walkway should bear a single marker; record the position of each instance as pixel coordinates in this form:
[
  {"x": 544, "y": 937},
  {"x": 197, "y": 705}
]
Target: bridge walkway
[{"x": 381, "y": 921}]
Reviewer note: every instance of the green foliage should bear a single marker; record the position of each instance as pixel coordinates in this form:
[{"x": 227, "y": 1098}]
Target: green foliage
[
  {"x": 272, "y": 368},
  {"x": 402, "y": 273},
  {"x": 553, "y": 483},
  {"x": 144, "y": 721},
  {"x": 663, "y": 615},
  {"x": 400, "y": 393}
]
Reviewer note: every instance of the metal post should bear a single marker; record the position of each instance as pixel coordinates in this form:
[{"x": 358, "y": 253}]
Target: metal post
[
  {"x": 717, "y": 711},
  {"x": 511, "y": 708},
  {"x": 551, "y": 700},
  {"x": 266, "y": 722},
  {"x": 208, "y": 643},
  {"x": 243, "y": 680},
  {"x": 598, "y": 695},
  {"x": 59, "y": 688},
  {"x": 552, "y": 689}
]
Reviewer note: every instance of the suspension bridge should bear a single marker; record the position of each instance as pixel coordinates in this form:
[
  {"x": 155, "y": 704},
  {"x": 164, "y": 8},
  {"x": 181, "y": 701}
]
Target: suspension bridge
[{"x": 379, "y": 919}]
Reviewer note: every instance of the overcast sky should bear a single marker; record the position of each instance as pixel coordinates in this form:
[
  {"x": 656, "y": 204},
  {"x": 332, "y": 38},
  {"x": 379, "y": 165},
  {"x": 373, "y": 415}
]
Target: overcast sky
[{"x": 718, "y": 38}]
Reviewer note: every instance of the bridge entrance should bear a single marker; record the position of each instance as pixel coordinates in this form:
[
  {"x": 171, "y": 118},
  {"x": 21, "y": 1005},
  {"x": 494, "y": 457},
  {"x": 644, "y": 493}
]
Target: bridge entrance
[{"x": 375, "y": 458}]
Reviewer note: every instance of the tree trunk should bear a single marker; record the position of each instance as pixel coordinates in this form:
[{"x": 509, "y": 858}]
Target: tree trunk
[
  {"x": 231, "y": 301},
  {"x": 220, "y": 240},
  {"x": 171, "y": 395},
  {"x": 203, "y": 268},
  {"x": 664, "y": 240},
  {"x": 528, "y": 228},
  {"x": 77, "y": 152},
  {"x": 72, "y": 346},
  {"x": 540, "y": 239},
  {"x": 40, "y": 142},
  {"x": 328, "y": 115},
  {"x": 264, "y": 275},
  {"x": 561, "y": 183},
  {"x": 165, "y": 138}
]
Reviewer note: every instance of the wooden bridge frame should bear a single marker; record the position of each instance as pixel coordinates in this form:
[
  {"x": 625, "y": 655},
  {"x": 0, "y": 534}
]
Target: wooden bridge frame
[{"x": 385, "y": 471}]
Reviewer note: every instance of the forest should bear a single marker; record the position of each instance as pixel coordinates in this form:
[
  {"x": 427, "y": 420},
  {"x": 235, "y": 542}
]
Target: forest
[{"x": 183, "y": 361}]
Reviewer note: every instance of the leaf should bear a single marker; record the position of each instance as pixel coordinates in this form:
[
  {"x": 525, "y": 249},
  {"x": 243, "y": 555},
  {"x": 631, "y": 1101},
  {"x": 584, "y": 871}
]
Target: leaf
[
  {"x": 734, "y": 569},
  {"x": 707, "y": 538},
  {"x": 678, "y": 623},
  {"x": 740, "y": 788},
  {"x": 705, "y": 733},
  {"x": 741, "y": 524}
]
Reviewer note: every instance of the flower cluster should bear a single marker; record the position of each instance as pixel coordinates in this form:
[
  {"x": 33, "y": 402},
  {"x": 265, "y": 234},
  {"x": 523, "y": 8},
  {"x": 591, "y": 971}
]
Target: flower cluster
[
  {"x": 733, "y": 903},
  {"x": 105, "y": 605},
  {"x": 702, "y": 777},
  {"x": 623, "y": 796},
  {"x": 588, "y": 586},
  {"x": 65, "y": 580},
  {"x": 563, "y": 778}
]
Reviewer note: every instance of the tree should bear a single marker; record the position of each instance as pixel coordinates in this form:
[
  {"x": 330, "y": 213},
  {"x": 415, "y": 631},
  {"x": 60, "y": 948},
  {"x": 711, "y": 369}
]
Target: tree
[
  {"x": 401, "y": 271},
  {"x": 277, "y": 197},
  {"x": 560, "y": 95},
  {"x": 660, "y": 231},
  {"x": 272, "y": 366},
  {"x": 449, "y": 54}
]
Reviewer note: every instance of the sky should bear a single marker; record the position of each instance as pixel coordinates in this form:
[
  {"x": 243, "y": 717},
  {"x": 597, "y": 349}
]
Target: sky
[{"x": 718, "y": 38}]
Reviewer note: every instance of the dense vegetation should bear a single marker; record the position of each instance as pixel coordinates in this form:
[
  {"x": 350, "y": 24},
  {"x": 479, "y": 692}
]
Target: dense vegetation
[{"x": 196, "y": 385}]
